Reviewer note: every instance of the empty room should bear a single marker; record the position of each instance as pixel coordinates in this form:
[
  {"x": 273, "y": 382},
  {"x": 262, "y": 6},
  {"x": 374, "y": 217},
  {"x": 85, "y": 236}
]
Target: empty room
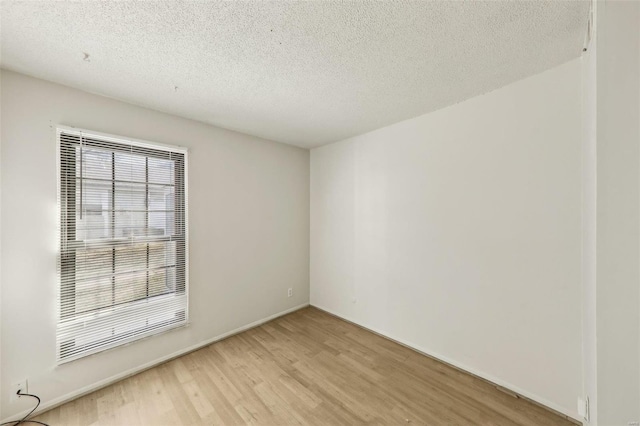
[{"x": 317, "y": 212}]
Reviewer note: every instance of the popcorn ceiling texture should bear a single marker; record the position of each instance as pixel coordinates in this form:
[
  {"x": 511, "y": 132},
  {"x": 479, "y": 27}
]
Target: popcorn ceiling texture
[{"x": 303, "y": 73}]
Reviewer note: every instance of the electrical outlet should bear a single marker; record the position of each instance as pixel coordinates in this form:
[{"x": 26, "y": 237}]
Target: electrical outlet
[
  {"x": 290, "y": 292},
  {"x": 19, "y": 386}
]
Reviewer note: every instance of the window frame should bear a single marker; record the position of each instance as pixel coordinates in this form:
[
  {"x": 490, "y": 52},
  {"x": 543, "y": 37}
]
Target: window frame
[{"x": 104, "y": 315}]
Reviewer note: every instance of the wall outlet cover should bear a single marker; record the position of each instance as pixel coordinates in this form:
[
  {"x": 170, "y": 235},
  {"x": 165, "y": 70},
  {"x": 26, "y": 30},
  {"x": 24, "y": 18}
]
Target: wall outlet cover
[{"x": 18, "y": 386}]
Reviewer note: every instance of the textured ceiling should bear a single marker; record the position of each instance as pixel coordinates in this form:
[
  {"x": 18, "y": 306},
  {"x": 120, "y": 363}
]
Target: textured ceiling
[{"x": 304, "y": 73}]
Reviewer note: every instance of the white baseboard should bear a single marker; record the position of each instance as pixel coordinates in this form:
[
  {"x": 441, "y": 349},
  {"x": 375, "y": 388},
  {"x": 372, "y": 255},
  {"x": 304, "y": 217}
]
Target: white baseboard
[
  {"x": 133, "y": 371},
  {"x": 488, "y": 377}
]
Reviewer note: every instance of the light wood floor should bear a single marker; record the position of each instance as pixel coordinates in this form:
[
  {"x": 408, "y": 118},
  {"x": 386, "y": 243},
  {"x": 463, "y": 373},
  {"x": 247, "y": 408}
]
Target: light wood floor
[{"x": 304, "y": 368}]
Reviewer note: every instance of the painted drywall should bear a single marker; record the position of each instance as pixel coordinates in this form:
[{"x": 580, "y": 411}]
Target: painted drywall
[
  {"x": 459, "y": 233},
  {"x": 249, "y": 232},
  {"x": 589, "y": 225},
  {"x": 618, "y": 213}
]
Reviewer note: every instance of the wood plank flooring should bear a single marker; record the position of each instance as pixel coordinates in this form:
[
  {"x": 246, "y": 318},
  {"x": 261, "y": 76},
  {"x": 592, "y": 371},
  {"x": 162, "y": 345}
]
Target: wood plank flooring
[{"x": 304, "y": 368}]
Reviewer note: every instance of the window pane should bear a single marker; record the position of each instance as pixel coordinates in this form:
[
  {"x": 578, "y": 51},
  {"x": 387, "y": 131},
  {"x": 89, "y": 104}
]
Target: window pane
[
  {"x": 130, "y": 224},
  {"x": 94, "y": 193},
  {"x": 161, "y": 223},
  {"x": 93, "y": 294},
  {"x": 159, "y": 282},
  {"x": 161, "y": 171},
  {"x": 93, "y": 202},
  {"x": 96, "y": 164},
  {"x": 131, "y": 258},
  {"x": 162, "y": 254},
  {"x": 94, "y": 263},
  {"x": 161, "y": 197},
  {"x": 130, "y": 196},
  {"x": 131, "y": 287},
  {"x": 130, "y": 167},
  {"x": 171, "y": 279}
]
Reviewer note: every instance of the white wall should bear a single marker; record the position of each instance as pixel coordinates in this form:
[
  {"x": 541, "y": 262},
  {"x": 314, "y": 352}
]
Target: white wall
[
  {"x": 618, "y": 213},
  {"x": 249, "y": 232},
  {"x": 459, "y": 233},
  {"x": 589, "y": 224}
]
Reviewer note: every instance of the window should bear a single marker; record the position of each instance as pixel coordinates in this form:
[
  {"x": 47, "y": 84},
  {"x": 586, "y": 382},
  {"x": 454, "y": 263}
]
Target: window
[{"x": 123, "y": 241}]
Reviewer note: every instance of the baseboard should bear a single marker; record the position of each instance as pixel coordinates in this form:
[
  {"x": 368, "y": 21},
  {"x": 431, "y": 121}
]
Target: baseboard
[
  {"x": 46, "y": 406},
  {"x": 499, "y": 383}
]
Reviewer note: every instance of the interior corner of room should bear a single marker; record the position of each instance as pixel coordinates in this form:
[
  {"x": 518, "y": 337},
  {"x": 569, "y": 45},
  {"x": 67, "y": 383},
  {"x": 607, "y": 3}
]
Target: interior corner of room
[{"x": 322, "y": 213}]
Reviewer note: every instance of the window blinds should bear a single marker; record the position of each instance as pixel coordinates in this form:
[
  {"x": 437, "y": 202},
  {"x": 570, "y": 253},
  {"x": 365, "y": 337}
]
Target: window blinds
[{"x": 123, "y": 241}]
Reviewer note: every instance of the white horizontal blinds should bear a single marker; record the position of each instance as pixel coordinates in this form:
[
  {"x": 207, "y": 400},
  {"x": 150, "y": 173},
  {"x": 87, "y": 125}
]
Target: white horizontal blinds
[{"x": 123, "y": 243}]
